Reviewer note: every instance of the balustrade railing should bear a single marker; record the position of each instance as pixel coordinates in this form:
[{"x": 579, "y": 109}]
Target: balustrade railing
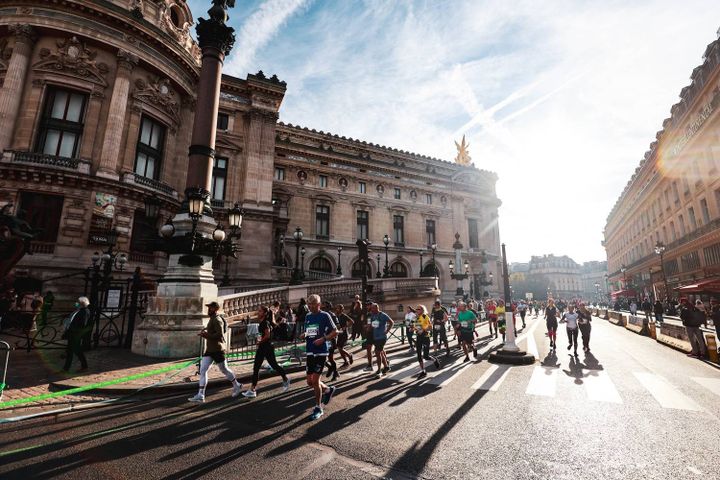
[
  {"x": 15, "y": 156},
  {"x": 40, "y": 248},
  {"x": 153, "y": 184}
]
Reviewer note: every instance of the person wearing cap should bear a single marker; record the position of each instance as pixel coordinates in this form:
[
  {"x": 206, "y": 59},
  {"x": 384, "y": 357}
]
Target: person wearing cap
[
  {"x": 423, "y": 327},
  {"x": 439, "y": 321},
  {"x": 381, "y": 324},
  {"x": 692, "y": 318},
  {"x": 76, "y": 327},
  {"x": 214, "y": 335}
]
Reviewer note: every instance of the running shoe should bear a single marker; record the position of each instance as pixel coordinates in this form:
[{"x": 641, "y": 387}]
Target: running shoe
[
  {"x": 467, "y": 359},
  {"x": 569, "y": 346},
  {"x": 335, "y": 376},
  {"x": 386, "y": 369},
  {"x": 437, "y": 364},
  {"x": 329, "y": 373},
  {"x": 327, "y": 396},
  {"x": 316, "y": 413},
  {"x": 286, "y": 385},
  {"x": 475, "y": 353},
  {"x": 351, "y": 359},
  {"x": 249, "y": 394},
  {"x": 367, "y": 369},
  {"x": 422, "y": 374},
  {"x": 237, "y": 389},
  {"x": 447, "y": 352},
  {"x": 378, "y": 373},
  {"x": 198, "y": 398}
]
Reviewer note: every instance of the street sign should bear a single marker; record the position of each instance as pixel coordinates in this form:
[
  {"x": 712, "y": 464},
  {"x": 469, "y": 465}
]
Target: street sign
[
  {"x": 113, "y": 298},
  {"x": 529, "y": 296}
]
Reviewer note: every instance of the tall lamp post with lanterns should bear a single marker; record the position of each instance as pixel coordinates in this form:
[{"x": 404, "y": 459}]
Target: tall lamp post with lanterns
[
  {"x": 296, "y": 278},
  {"x": 338, "y": 270},
  {"x": 386, "y": 268},
  {"x": 461, "y": 274},
  {"x": 660, "y": 250}
]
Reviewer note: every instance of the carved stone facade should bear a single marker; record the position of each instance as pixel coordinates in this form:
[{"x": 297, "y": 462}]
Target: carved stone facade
[
  {"x": 107, "y": 96},
  {"x": 673, "y": 196}
]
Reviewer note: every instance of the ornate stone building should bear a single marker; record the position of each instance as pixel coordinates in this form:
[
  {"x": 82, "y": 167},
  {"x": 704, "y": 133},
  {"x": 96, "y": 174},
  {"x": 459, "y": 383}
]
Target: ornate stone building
[
  {"x": 594, "y": 281},
  {"x": 561, "y": 273},
  {"x": 673, "y": 197},
  {"x": 96, "y": 110}
]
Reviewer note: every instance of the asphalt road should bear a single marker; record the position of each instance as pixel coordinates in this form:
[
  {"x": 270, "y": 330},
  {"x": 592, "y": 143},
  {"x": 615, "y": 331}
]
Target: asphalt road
[{"x": 634, "y": 409}]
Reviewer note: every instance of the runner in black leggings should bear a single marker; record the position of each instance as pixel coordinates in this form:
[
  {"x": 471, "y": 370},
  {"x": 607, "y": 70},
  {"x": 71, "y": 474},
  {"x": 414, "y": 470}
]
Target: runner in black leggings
[{"x": 265, "y": 351}]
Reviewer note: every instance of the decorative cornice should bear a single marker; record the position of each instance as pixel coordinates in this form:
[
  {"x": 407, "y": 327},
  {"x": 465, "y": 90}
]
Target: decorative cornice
[
  {"x": 23, "y": 33},
  {"x": 72, "y": 58},
  {"x": 214, "y": 34},
  {"x": 158, "y": 92},
  {"x": 127, "y": 60}
]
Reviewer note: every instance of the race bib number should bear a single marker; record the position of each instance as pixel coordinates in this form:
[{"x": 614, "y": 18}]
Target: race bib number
[
  {"x": 437, "y": 327},
  {"x": 312, "y": 331},
  {"x": 375, "y": 324},
  {"x": 464, "y": 324}
]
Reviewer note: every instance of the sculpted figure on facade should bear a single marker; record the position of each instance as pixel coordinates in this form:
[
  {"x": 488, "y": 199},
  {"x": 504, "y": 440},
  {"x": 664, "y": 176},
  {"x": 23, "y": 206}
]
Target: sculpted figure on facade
[{"x": 72, "y": 57}]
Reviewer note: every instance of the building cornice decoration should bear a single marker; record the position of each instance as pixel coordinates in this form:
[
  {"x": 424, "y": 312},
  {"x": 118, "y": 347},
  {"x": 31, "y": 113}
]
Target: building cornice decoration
[
  {"x": 5, "y": 53},
  {"x": 73, "y": 58},
  {"x": 126, "y": 59},
  {"x": 23, "y": 33},
  {"x": 158, "y": 92}
]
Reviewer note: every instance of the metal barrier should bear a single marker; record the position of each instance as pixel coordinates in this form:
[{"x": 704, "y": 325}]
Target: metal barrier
[{"x": 6, "y": 347}]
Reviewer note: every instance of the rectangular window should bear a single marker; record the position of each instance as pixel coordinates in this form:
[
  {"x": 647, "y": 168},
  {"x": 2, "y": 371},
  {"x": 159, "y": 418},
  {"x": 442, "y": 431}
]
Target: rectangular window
[
  {"x": 143, "y": 231},
  {"x": 397, "y": 194},
  {"x": 676, "y": 195},
  {"x": 673, "y": 233},
  {"x": 362, "y": 225},
  {"x": 693, "y": 220},
  {"x": 322, "y": 222},
  {"x": 222, "y": 121},
  {"x": 667, "y": 199},
  {"x": 686, "y": 185},
  {"x": 430, "y": 230},
  {"x": 671, "y": 267},
  {"x": 323, "y": 181},
  {"x": 43, "y": 213},
  {"x": 473, "y": 233},
  {"x": 149, "y": 151},
  {"x": 681, "y": 220},
  {"x": 362, "y": 187},
  {"x": 428, "y": 198},
  {"x": 279, "y": 173},
  {"x": 62, "y": 123},
  {"x": 691, "y": 261},
  {"x": 665, "y": 237},
  {"x": 219, "y": 178},
  {"x": 399, "y": 230},
  {"x": 717, "y": 198},
  {"x": 712, "y": 254},
  {"x": 705, "y": 212}
]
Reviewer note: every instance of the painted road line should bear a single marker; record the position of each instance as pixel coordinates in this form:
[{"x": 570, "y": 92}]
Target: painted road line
[
  {"x": 665, "y": 394},
  {"x": 492, "y": 378},
  {"x": 543, "y": 382},
  {"x": 531, "y": 345},
  {"x": 712, "y": 384},
  {"x": 600, "y": 388},
  {"x": 447, "y": 375}
]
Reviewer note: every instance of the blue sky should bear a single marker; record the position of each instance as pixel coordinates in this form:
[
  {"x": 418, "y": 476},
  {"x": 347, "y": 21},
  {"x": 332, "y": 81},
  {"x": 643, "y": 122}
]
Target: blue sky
[{"x": 560, "y": 98}]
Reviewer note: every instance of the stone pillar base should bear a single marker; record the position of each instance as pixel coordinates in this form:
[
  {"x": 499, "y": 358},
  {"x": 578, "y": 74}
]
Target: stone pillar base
[{"x": 170, "y": 328}]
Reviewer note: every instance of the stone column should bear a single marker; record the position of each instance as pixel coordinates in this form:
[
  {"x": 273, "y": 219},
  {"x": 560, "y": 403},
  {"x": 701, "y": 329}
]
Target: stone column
[
  {"x": 15, "y": 80},
  {"x": 116, "y": 116}
]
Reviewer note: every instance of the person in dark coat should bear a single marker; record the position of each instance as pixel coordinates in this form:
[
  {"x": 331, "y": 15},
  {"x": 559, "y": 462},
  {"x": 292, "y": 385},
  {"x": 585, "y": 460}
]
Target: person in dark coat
[{"x": 74, "y": 332}]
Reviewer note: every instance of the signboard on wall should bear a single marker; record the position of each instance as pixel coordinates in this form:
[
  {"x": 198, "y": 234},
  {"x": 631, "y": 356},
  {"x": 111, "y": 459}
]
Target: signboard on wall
[{"x": 103, "y": 214}]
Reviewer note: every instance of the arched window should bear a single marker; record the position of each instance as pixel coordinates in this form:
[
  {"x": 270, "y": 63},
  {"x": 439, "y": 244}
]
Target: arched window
[
  {"x": 429, "y": 270},
  {"x": 321, "y": 264},
  {"x": 398, "y": 269},
  {"x": 357, "y": 270}
]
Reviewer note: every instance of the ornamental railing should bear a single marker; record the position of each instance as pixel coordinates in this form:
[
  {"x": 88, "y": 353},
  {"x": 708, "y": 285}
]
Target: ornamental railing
[
  {"x": 16, "y": 156},
  {"x": 134, "y": 178}
]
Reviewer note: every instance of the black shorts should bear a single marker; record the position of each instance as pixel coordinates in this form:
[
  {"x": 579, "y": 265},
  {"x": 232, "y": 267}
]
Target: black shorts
[
  {"x": 315, "y": 364},
  {"x": 551, "y": 324},
  {"x": 342, "y": 339},
  {"x": 379, "y": 345},
  {"x": 439, "y": 336},
  {"x": 467, "y": 336},
  {"x": 218, "y": 357}
]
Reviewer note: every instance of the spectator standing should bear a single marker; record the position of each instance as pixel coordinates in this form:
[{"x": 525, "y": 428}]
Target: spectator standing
[
  {"x": 692, "y": 318},
  {"x": 658, "y": 310},
  {"x": 356, "y": 313},
  {"x": 300, "y": 312},
  {"x": 47, "y": 305},
  {"x": 647, "y": 309},
  {"x": 633, "y": 308},
  {"x": 715, "y": 317},
  {"x": 75, "y": 329}
]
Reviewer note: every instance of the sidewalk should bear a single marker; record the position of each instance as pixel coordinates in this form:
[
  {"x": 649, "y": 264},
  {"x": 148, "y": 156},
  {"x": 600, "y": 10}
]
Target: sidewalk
[{"x": 39, "y": 372}]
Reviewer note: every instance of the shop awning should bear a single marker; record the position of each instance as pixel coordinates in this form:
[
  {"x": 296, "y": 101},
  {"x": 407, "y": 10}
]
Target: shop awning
[
  {"x": 624, "y": 293},
  {"x": 710, "y": 285}
]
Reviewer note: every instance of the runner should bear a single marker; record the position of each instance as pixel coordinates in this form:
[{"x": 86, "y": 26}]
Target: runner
[
  {"x": 466, "y": 322},
  {"x": 332, "y": 346},
  {"x": 500, "y": 314},
  {"x": 356, "y": 312},
  {"x": 571, "y": 318},
  {"x": 410, "y": 318},
  {"x": 522, "y": 308},
  {"x": 265, "y": 351},
  {"x": 439, "y": 321},
  {"x": 452, "y": 316},
  {"x": 214, "y": 334},
  {"x": 423, "y": 326},
  {"x": 319, "y": 329},
  {"x": 551, "y": 322},
  {"x": 492, "y": 317},
  {"x": 345, "y": 324},
  {"x": 585, "y": 317},
  {"x": 381, "y": 324},
  {"x": 367, "y": 343}
]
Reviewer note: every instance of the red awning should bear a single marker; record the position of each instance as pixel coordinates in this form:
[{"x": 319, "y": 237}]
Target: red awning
[
  {"x": 710, "y": 285},
  {"x": 624, "y": 293}
]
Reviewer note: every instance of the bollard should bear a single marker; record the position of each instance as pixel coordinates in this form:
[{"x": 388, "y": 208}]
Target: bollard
[
  {"x": 653, "y": 331},
  {"x": 711, "y": 347},
  {"x": 5, "y": 346}
]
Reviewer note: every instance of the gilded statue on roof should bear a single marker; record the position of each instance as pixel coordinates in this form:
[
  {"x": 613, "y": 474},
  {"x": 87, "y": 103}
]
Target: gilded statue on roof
[{"x": 463, "y": 155}]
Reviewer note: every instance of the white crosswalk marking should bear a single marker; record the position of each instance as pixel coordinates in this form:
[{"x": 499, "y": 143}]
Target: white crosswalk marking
[
  {"x": 531, "y": 345},
  {"x": 448, "y": 374},
  {"x": 712, "y": 384},
  {"x": 543, "y": 382},
  {"x": 600, "y": 388},
  {"x": 492, "y": 378},
  {"x": 665, "y": 394}
]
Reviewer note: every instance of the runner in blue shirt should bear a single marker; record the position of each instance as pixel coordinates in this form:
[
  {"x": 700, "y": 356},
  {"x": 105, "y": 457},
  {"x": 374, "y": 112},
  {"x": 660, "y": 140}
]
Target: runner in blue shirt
[
  {"x": 319, "y": 330},
  {"x": 381, "y": 324}
]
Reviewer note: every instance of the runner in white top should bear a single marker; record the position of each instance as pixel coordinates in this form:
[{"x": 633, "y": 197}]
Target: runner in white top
[
  {"x": 410, "y": 318},
  {"x": 571, "y": 319}
]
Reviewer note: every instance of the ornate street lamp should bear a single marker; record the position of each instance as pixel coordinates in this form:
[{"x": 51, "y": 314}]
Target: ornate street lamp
[
  {"x": 229, "y": 248},
  {"x": 462, "y": 275},
  {"x": 421, "y": 265},
  {"x": 597, "y": 291},
  {"x": 378, "y": 274},
  {"x": 433, "y": 248},
  {"x": 302, "y": 262},
  {"x": 660, "y": 250},
  {"x": 338, "y": 270},
  {"x": 623, "y": 269},
  {"x": 296, "y": 278},
  {"x": 386, "y": 269}
]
